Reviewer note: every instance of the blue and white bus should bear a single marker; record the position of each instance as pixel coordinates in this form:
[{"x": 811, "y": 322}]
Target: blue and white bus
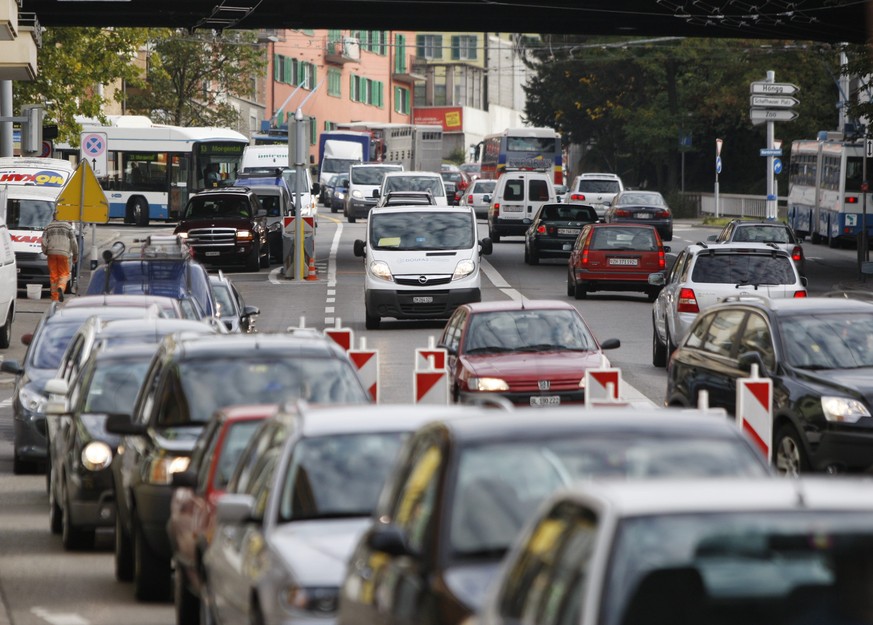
[
  {"x": 153, "y": 168},
  {"x": 825, "y": 200}
]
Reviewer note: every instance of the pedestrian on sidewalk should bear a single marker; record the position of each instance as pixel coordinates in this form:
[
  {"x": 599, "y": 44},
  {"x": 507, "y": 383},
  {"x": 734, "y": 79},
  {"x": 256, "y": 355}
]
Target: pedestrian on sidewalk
[{"x": 59, "y": 244}]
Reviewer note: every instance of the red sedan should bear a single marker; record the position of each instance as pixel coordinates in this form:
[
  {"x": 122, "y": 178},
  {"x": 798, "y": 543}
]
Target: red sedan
[
  {"x": 532, "y": 352},
  {"x": 192, "y": 508}
]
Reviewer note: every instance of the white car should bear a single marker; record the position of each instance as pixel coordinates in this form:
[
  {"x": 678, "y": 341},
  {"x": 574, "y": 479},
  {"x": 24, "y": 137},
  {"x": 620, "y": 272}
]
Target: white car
[
  {"x": 478, "y": 195},
  {"x": 726, "y": 551},
  {"x": 595, "y": 189},
  {"x": 423, "y": 181}
]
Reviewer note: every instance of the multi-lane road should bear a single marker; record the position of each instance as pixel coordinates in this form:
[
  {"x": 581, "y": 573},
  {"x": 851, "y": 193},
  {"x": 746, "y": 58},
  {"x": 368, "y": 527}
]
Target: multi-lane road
[{"x": 40, "y": 583}]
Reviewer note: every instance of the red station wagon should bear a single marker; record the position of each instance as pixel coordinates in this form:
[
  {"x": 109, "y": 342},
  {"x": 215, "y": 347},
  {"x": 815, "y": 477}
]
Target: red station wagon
[{"x": 615, "y": 257}]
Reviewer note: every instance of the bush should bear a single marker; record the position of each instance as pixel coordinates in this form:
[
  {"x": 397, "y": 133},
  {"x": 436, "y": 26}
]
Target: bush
[{"x": 683, "y": 206}]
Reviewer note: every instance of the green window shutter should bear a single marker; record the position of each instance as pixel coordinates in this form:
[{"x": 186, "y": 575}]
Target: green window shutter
[
  {"x": 400, "y": 54},
  {"x": 313, "y": 130},
  {"x": 301, "y": 73},
  {"x": 334, "y": 35},
  {"x": 381, "y": 95},
  {"x": 474, "y": 42},
  {"x": 289, "y": 76},
  {"x": 456, "y": 47}
]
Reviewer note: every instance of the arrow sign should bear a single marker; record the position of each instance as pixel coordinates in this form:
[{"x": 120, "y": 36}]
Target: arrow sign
[
  {"x": 759, "y": 116},
  {"x": 773, "y": 88},
  {"x": 774, "y": 102}
]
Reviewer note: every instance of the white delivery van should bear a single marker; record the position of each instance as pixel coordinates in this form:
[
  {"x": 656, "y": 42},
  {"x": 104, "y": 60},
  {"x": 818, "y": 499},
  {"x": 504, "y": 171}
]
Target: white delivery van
[
  {"x": 420, "y": 263},
  {"x": 261, "y": 156},
  {"x": 32, "y": 186},
  {"x": 517, "y": 197},
  {"x": 363, "y": 187},
  {"x": 427, "y": 181},
  {"x": 8, "y": 280},
  {"x": 338, "y": 157}
]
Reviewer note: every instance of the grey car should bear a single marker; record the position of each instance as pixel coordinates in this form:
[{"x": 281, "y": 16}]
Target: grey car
[
  {"x": 478, "y": 195},
  {"x": 739, "y": 230}
]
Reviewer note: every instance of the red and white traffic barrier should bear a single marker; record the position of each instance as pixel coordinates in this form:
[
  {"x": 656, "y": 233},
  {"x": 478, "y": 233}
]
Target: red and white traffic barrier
[
  {"x": 423, "y": 356},
  {"x": 430, "y": 377},
  {"x": 344, "y": 337},
  {"x": 366, "y": 361},
  {"x": 755, "y": 410},
  {"x": 603, "y": 386}
]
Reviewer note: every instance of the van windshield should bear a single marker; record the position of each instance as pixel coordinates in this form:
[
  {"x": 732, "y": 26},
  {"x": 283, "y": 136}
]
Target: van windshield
[
  {"x": 422, "y": 230},
  {"x": 370, "y": 175},
  {"x": 29, "y": 214}
]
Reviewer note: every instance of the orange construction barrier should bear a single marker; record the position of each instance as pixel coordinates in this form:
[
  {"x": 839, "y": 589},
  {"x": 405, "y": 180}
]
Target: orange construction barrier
[{"x": 312, "y": 275}]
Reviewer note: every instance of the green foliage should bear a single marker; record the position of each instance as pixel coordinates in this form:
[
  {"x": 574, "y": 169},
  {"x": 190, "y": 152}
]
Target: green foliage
[
  {"x": 189, "y": 77},
  {"x": 458, "y": 157},
  {"x": 73, "y": 63}
]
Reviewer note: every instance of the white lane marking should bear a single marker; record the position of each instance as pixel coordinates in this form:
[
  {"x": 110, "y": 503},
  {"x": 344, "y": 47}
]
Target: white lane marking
[{"x": 59, "y": 618}]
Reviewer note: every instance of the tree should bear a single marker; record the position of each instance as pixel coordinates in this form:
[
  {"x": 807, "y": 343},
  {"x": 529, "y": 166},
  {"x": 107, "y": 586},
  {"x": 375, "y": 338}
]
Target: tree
[
  {"x": 73, "y": 66},
  {"x": 189, "y": 77}
]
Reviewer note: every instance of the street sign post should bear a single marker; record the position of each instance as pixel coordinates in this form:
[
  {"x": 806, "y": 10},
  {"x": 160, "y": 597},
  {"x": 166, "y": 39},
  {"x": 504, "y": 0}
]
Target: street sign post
[
  {"x": 759, "y": 116},
  {"x": 773, "y": 88},
  {"x": 772, "y": 102}
]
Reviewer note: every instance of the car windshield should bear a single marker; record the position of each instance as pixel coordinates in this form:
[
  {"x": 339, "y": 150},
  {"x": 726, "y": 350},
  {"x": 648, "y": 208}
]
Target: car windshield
[
  {"x": 484, "y": 186},
  {"x": 339, "y": 164},
  {"x": 762, "y": 234},
  {"x": 217, "y": 206},
  {"x": 568, "y": 212},
  {"x": 527, "y": 330},
  {"x": 421, "y": 230},
  {"x": 52, "y": 342},
  {"x": 337, "y": 475},
  {"x": 741, "y": 568},
  {"x": 23, "y": 214},
  {"x": 368, "y": 175},
  {"x": 224, "y": 299},
  {"x": 641, "y": 199},
  {"x": 262, "y": 379},
  {"x": 828, "y": 341},
  {"x": 598, "y": 186},
  {"x": 114, "y": 386},
  {"x": 743, "y": 269},
  {"x": 414, "y": 183},
  {"x": 499, "y": 485}
]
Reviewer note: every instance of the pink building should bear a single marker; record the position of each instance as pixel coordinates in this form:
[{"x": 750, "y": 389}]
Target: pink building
[{"x": 340, "y": 76}]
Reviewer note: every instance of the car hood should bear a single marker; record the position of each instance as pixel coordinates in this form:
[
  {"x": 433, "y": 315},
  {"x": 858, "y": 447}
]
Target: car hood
[
  {"x": 532, "y": 364},
  {"x": 317, "y": 551},
  {"x": 178, "y": 439},
  {"x": 469, "y": 582},
  {"x": 223, "y": 222},
  {"x": 850, "y": 382}
]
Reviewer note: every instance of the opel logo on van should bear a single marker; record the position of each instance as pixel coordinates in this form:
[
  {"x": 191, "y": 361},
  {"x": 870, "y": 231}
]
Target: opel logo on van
[{"x": 422, "y": 279}]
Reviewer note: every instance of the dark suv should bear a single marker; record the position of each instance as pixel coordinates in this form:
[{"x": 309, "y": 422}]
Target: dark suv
[
  {"x": 188, "y": 380},
  {"x": 818, "y": 352},
  {"x": 226, "y": 227}
]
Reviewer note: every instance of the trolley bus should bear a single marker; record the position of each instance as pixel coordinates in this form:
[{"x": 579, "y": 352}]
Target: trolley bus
[
  {"x": 522, "y": 149},
  {"x": 153, "y": 168},
  {"x": 825, "y": 200}
]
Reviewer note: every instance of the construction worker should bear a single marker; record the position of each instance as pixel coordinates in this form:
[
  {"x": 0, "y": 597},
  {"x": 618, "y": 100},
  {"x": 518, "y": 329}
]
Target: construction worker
[{"x": 59, "y": 244}]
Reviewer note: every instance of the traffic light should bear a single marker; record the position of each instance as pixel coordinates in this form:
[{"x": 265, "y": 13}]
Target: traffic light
[{"x": 31, "y": 129}]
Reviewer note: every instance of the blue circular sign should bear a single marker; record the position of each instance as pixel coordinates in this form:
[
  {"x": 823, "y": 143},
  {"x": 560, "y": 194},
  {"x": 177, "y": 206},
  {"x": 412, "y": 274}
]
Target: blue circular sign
[
  {"x": 777, "y": 165},
  {"x": 718, "y": 164}
]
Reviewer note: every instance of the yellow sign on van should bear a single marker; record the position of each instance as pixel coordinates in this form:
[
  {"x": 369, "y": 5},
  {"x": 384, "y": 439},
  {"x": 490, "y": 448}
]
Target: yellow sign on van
[{"x": 82, "y": 198}]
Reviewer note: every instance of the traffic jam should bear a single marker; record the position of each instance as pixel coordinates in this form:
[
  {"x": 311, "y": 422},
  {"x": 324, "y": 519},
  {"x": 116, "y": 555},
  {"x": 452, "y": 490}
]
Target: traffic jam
[{"x": 381, "y": 395}]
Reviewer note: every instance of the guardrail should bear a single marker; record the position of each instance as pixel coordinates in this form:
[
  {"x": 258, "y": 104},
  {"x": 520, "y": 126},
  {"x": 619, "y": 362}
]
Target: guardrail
[{"x": 735, "y": 205}]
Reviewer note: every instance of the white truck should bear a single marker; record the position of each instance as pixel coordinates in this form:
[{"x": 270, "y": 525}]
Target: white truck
[{"x": 32, "y": 186}]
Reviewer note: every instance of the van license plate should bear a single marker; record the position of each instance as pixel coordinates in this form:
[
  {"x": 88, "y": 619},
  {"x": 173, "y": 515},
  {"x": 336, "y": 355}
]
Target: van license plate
[
  {"x": 422, "y": 299},
  {"x": 210, "y": 253},
  {"x": 513, "y": 209},
  {"x": 550, "y": 400}
]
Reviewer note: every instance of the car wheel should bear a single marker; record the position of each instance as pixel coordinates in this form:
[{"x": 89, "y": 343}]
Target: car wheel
[
  {"x": 372, "y": 322},
  {"x": 186, "y": 603},
  {"x": 815, "y": 237},
  {"x": 668, "y": 236},
  {"x": 151, "y": 574},
  {"x": 139, "y": 212},
  {"x": 652, "y": 294},
  {"x": 671, "y": 346},
  {"x": 6, "y": 330},
  {"x": 253, "y": 262},
  {"x": 20, "y": 466},
  {"x": 74, "y": 538},
  {"x": 659, "y": 349},
  {"x": 351, "y": 217},
  {"x": 123, "y": 553},
  {"x": 579, "y": 291},
  {"x": 55, "y": 520},
  {"x": 265, "y": 258},
  {"x": 789, "y": 457},
  {"x": 495, "y": 237}
]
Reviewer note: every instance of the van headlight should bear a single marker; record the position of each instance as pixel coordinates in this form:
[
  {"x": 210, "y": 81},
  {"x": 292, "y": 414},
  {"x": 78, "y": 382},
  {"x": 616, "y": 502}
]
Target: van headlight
[
  {"x": 464, "y": 269},
  {"x": 161, "y": 469},
  {"x": 843, "y": 409},
  {"x": 357, "y": 194},
  {"x": 379, "y": 269}
]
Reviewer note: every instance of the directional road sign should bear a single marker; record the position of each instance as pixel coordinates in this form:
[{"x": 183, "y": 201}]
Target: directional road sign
[
  {"x": 777, "y": 166},
  {"x": 773, "y": 88},
  {"x": 771, "y": 152},
  {"x": 759, "y": 116},
  {"x": 773, "y": 102}
]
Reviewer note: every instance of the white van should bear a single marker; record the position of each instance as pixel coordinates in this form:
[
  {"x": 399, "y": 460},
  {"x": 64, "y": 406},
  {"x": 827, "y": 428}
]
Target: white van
[
  {"x": 260, "y": 156},
  {"x": 32, "y": 187},
  {"x": 8, "y": 282},
  {"x": 259, "y": 166},
  {"x": 517, "y": 197},
  {"x": 428, "y": 181},
  {"x": 420, "y": 263},
  {"x": 363, "y": 188}
]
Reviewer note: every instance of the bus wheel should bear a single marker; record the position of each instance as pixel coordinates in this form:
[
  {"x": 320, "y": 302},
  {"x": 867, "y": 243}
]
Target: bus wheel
[{"x": 139, "y": 211}]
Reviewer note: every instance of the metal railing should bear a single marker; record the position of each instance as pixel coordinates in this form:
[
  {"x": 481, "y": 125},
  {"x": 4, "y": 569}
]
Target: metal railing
[{"x": 735, "y": 205}]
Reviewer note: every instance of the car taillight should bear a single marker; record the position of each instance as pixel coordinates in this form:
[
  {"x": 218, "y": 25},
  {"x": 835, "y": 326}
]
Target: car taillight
[
  {"x": 797, "y": 254},
  {"x": 801, "y": 293},
  {"x": 662, "y": 214},
  {"x": 622, "y": 213},
  {"x": 687, "y": 302},
  {"x": 579, "y": 197},
  {"x": 541, "y": 229},
  {"x": 662, "y": 261},
  {"x": 584, "y": 259},
  {"x": 469, "y": 199}
]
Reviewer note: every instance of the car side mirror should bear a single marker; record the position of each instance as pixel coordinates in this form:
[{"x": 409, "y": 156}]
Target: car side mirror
[
  {"x": 359, "y": 248},
  {"x": 345, "y": 184},
  {"x": 376, "y": 193},
  {"x": 184, "y": 479},
  {"x": 712, "y": 237},
  {"x": 746, "y": 361},
  {"x": 11, "y": 366},
  {"x": 657, "y": 279},
  {"x": 486, "y": 246},
  {"x": 234, "y": 508},
  {"x": 610, "y": 344},
  {"x": 251, "y": 311},
  {"x": 387, "y": 538},
  {"x": 486, "y": 198},
  {"x": 122, "y": 424},
  {"x": 804, "y": 281},
  {"x": 316, "y": 187},
  {"x": 667, "y": 249}
]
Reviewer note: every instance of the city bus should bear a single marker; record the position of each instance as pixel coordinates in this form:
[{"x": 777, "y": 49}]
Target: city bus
[
  {"x": 153, "y": 168},
  {"x": 522, "y": 149},
  {"x": 825, "y": 201}
]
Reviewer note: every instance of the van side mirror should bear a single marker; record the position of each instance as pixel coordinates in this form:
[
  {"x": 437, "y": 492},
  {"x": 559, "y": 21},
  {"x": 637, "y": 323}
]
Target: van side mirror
[
  {"x": 376, "y": 193},
  {"x": 316, "y": 187},
  {"x": 359, "y": 248},
  {"x": 486, "y": 246}
]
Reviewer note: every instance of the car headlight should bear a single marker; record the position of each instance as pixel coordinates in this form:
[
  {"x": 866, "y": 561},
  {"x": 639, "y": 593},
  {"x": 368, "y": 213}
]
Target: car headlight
[
  {"x": 843, "y": 409},
  {"x": 357, "y": 195},
  {"x": 160, "y": 470},
  {"x": 464, "y": 269},
  {"x": 318, "y": 601},
  {"x": 487, "y": 384},
  {"x": 182, "y": 235},
  {"x": 96, "y": 456},
  {"x": 32, "y": 401},
  {"x": 244, "y": 235},
  {"x": 379, "y": 269}
]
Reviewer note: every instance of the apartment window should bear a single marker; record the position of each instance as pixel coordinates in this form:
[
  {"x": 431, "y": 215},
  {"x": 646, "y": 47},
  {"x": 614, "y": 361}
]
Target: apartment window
[
  {"x": 305, "y": 74},
  {"x": 429, "y": 46},
  {"x": 377, "y": 41},
  {"x": 400, "y": 54},
  {"x": 366, "y": 91},
  {"x": 313, "y": 130},
  {"x": 334, "y": 35},
  {"x": 334, "y": 83},
  {"x": 464, "y": 47},
  {"x": 401, "y": 100}
]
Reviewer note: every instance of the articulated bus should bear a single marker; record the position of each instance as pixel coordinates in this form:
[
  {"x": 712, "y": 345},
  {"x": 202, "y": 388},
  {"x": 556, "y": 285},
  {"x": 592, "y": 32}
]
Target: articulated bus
[
  {"x": 825, "y": 201},
  {"x": 522, "y": 149},
  {"x": 153, "y": 168}
]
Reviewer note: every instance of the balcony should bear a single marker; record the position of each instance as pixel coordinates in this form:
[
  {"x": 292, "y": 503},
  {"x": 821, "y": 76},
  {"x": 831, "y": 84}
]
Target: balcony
[
  {"x": 347, "y": 50},
  {"x": 18, "y": 57},
  {"x": 9, "y": 19},
  {"x": 414, "y": 72}
]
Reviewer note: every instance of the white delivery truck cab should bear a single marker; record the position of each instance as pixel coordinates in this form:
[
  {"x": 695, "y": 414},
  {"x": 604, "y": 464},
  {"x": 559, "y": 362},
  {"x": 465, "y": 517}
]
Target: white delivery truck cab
[
  {"x": 420, "y": 262},
  {"x": 32, "y": 187},
  {"x": 8, "y": 280}
]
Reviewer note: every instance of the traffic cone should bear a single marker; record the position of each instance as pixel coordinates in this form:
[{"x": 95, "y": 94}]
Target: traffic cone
[{"x": 312, "y": 275}]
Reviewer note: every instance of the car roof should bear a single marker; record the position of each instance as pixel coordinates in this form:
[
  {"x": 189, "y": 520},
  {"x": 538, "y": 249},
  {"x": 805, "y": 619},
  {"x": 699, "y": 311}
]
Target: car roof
[
  {"x": 126, "y": 352},
  {"x": 725, "y": 495},
  {"x": 511, "y": 304},
  {"x": 801, "y": 305},
  {"x": 359, "y": 418},
  {"x": 158, "y": 326},
  {"x": 245, "y": 412},
  {"x": 732, "y": 247},
  {"x": 83, "y": 313},
  {"x": 412, "y": 173},
  {"x": 442, "y": 208},
  {"x": 296, "y": 345},
  {"x": 598, "y": 175}
]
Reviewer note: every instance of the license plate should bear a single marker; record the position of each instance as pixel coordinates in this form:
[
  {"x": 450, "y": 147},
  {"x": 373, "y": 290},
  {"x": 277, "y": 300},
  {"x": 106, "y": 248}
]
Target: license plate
[
  {"x": 422, "y": 299},
  {"x": 632, "y": 262},
  {"x": 568, "y": 230},
  {"x": 550, "y": 400},
  {"x": 210, "y": 253},
  {"x": 643, "y": 216},
  {"x": 567, "y": 247},
  {"x": 513, "y": 209}
]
